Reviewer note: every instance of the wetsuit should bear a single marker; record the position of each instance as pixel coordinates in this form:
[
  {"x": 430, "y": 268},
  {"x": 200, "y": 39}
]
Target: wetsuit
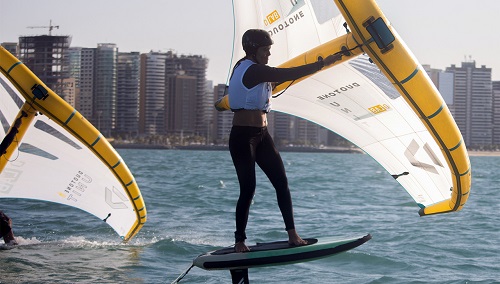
[
  {"x": 250, "y": 89},
  {"x": 5, "y": 225}
]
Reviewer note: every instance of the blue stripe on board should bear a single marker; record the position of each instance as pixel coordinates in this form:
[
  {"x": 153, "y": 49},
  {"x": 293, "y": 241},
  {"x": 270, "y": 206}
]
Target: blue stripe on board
[
  {"x": 410, "y": 77},
  {"x": 14, "y": 66},
  {"x": 70, "y": 117}
]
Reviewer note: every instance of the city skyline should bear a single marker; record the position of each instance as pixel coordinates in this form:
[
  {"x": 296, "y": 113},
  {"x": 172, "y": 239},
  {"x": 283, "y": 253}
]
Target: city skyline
[
  {"x": 439, "y": 33},
  {"x": 170, "y": 84}
]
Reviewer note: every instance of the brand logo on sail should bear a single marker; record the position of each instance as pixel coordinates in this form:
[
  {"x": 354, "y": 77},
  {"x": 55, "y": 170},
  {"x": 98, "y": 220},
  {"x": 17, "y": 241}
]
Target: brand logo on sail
[
  {"x": 76, "y": 187},
  {"x": 379, "y": 108},
  {"x": 271, "y": 18},
  {"x": 332, "y": 98},
  {"x": 289, "y": 19},
  {"x": 115, "y": 199},
  {"x": 427, "y": 159},
  {"x": 339, "y": 91}
]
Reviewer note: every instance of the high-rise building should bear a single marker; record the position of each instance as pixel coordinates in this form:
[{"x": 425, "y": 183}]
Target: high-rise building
[
  {"x": 473, "y": 103},
  {"x": 152, "y": 118},
  {"x": 74, "y": 55},
  {"x": 311, "y": 134},
  {"x": 209, "y": 110},
  {"x": 85, "y": 100},
  {"x": 194, "y": 65},
  {"x": 46, "y": 56},
  {"x": 288, "y": 129},
  {"x": 282, "y": 127},
  {"x": 105, "y": 84},
  {"x": 127, "y": 98},
  {"x": 11, "y": 47},
  {"x": 443, "y": 82},
  {"x": 81, "y": 68},
  {"x": 496, "y": 112},
  {"x": 181, "y": 104},
  {"x": 445, "y": 87},
  {"x": 69, "y": 90},
  {"x": 223, "y": 120},
  {"x": 99, "y": 75}
]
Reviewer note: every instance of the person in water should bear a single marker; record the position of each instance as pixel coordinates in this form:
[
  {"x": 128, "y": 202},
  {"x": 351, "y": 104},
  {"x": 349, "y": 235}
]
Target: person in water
[
  {"x": 250, "y": 91},
  {"x": 6, "y": 229}
]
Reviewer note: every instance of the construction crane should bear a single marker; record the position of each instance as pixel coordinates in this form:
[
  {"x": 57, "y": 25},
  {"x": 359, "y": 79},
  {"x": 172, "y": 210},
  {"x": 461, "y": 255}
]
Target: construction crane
[{"x": 50, "y": 26}]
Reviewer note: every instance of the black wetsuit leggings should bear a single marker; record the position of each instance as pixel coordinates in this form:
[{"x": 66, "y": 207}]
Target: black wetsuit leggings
[
  {"x": 250, "y": 145},
  {"x": 5, "y": 227}
]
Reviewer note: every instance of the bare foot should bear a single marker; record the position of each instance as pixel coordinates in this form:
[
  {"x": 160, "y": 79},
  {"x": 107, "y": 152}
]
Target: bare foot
[
  {"x": 241, "y": 247},
  {"x": 294, "y": 239}
]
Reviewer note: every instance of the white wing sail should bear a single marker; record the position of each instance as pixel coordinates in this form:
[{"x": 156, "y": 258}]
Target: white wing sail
[
  {"x": 50, "y": 163},
  {"x": 359, "y": 101}
]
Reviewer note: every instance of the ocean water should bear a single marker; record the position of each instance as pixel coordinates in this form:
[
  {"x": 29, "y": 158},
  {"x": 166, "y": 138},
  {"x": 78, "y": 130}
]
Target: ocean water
[{"x": 190, "y": 197}]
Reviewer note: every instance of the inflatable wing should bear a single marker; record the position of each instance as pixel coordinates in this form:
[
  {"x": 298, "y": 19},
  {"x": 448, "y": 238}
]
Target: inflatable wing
[
  {"x": 59, "y": 156},
  {"x": 378, "y": 96}
]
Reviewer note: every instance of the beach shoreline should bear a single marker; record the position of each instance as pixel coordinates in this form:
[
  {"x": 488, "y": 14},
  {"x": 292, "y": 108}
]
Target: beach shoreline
[
  {"x": 472, "y": 153},
  {"x": 484, "y": 153}
]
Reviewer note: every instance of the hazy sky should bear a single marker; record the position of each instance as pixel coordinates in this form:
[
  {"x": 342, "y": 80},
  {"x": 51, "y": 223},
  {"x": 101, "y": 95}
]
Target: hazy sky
[{"x": 439, "y": 32}]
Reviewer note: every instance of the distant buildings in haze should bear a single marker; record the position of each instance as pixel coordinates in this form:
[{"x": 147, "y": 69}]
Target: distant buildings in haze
[
  {"x": 129, "y": 94},
  {"x": 470, "y": 95}
]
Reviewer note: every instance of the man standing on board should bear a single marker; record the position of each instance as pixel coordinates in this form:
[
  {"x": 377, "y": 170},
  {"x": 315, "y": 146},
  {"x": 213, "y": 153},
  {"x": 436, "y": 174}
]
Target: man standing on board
[{"x": 250, "y": 92}]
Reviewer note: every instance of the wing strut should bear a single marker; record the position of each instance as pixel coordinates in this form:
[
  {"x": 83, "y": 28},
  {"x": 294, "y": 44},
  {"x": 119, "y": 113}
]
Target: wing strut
[{"x": 16, "y": 132}]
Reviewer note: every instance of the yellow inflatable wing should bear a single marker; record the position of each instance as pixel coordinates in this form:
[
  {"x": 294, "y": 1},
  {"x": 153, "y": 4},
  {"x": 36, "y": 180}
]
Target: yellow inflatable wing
[
  {"x": 378, "y": 96},
  {"x": 62, "y": 157},
  {"x": 394, "y": 59}
]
